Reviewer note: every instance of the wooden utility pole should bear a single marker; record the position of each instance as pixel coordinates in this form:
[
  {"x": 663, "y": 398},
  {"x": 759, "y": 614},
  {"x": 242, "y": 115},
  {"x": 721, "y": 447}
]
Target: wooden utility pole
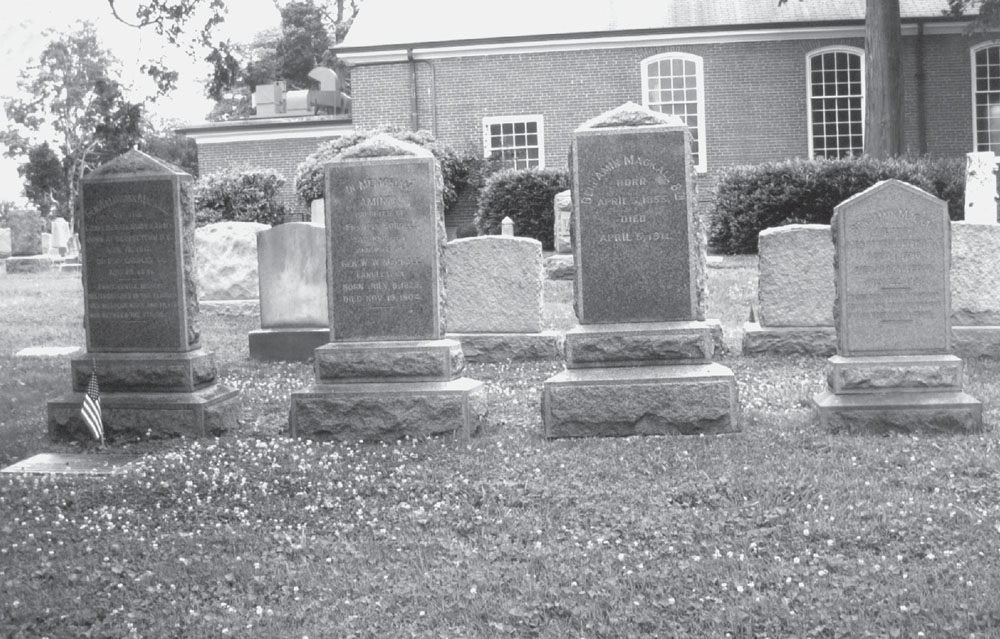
[{"x": 883, "y": 79}]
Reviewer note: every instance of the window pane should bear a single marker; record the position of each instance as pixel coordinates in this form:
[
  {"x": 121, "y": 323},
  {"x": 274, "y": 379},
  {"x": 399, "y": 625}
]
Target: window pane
[
  {"x": 672, "y": 88},
  {"x": 986, "y": 80},
  {"x": 836, "y": 103}
]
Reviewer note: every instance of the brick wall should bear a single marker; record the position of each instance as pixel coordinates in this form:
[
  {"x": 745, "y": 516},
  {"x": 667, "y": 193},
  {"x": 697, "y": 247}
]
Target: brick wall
[
  {"x": 755, "y": 95},
  {"x": 283, "y": 155}
]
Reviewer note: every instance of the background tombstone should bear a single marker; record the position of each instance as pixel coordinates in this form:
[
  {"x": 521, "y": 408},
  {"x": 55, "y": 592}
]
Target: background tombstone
[
  {"x": 294, "y": 312},
  {"x": 5, "y": 245},
  {"x": 562, "y": 206},
  {"x": 140, "y": 306},
  {"x": 981, "y": 187},
  {"x": 494, "y": 299},
  {"x": 894, "y": 370},
  {"x": 27, "y": 254},
  {"x": 386, "y": 372},
  {"x": 640, "y": 361},
  {"x": 60, "y": 234}
]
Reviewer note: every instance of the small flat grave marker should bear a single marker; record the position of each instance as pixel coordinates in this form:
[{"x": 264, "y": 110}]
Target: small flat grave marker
[
  {"x": 72, "y": 464},
  {"x": 47, "y": 351}
]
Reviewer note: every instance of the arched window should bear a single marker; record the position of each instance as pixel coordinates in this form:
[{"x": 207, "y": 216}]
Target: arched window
[
  {"x": 986, "y": 96},
  {"x": 836, "y": 85},
  {"x": 674, "y": 83}
]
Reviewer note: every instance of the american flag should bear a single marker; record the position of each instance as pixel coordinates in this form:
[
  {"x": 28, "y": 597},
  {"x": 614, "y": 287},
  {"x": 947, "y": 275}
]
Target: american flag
[{"x": 91, "y": 410}]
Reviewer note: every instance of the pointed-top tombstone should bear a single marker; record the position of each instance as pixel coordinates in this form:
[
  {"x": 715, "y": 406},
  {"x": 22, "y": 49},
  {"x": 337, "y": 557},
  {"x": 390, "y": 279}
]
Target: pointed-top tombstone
[
  {"x": 640, "y": 255},
  {"x": 137, "y": 233},
  {"x": 892, "y": 272}
]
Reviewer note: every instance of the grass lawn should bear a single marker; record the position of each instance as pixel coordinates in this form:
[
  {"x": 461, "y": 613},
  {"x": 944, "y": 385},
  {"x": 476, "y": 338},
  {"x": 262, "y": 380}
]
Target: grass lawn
[{"x": 779, "y": 531}]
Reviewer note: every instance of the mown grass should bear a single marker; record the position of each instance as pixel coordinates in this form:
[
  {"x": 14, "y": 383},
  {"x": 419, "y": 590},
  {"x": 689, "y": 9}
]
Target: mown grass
[{"x": 779, "y": 531}]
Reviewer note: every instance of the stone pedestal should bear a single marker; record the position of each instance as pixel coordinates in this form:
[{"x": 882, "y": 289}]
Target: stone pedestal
[
  {"x": 286, "y": 344},
  {"x": 386, "y": 373},
  {"x": 509, "y": 347},
  {"x": 29, "y": 264},
  {"x": 140, "y": 310}
]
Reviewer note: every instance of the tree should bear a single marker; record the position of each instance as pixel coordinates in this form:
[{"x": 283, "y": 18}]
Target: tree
[{"x": 71, "y": 99}]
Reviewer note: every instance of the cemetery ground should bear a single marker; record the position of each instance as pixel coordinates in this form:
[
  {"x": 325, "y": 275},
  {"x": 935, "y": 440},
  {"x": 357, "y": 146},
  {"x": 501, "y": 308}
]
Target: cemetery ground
[{"x": 778, "y": 531}]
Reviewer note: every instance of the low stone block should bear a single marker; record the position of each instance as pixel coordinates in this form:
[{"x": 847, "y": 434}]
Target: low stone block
[
  {"x": 287, "y": 345},
  {"x": 976, "y": 341},
  {"x": 29, "y": 264},
  {"x": 639, "y": 344},
  {"x": 975, "y": 278},
  {"x": 559, "y": 267},
  {"x": 509, "y": 347},
  {"x": 910, "y": 413},
  {"x": 145, "y": 372},
  {"x": 652, "y": 400},
  {"x": 789, "y": 340},
  {"x": 203, "y": 413},
  {"x": 227, "y": 260},
  {"x": 796, "y": 283},
  {"x": 899, "y": 373},
  {"x": 229, "y": 308},
  {"x": 380, "y": 412},
  {"x": 395, "y": 361}
]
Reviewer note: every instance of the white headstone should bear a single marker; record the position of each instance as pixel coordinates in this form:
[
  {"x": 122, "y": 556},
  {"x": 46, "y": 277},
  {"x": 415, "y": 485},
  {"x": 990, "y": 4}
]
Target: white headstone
[
  {"x": 5, "y": 244},
  {"x": 60, "y": 234},
  {"x": 981, "y": 188},
  {"x": 562, "y": 206},
  {"x": 507, "y": 227}
]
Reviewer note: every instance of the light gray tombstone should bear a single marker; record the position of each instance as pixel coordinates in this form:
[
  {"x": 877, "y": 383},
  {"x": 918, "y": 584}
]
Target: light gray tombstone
[
  {"x": 562, "y": 209},
  {"x": 507, "y": 227},
  {"x": 5, "y": 245},
  {"x": 388, "y": 371},
  {"x": 640, "y": 363},
  {"x": 60, "y": 234},
  {"x": 894, "y": 370},
  {"x": 981, "y": 187},
  {"x": 294, "y": 311}
]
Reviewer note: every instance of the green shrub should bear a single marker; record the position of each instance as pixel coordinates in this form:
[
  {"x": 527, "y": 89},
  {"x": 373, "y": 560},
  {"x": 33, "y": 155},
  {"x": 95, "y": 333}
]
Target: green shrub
[
  {"x": 309, "y": 174},
  {"x": 239, "y": 195},
  {"x": 750, "y": 199},
  {"x": 525, "y": 196}
]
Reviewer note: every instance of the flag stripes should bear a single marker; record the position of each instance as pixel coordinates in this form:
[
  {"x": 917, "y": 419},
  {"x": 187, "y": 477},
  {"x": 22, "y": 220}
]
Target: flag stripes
[{"x": 91, "y": 409}]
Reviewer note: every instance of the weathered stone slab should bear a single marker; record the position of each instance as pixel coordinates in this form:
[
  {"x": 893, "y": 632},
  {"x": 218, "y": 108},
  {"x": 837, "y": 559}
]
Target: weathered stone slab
[
  {"x": 976, "y": 341},
  {"x": 655, "y": 400},
  {"x": 639, "y": 344},
  {"x": 912, "y": 413},
  {"x": 562, "y": 206},
  {"x": 137, "y": 228},
  {"x": 892, "y": 276},
  {"x": 975, "y": 274},
  {"x": 398, "y": 361},
  {"x": 145, "y": 372},
  {"x": 292, "y": 273},
  {"x": 639, "y": 250},
  {"x": 352, "y": 412},
  {"x": 5, "y": 245},
  {"x": 560, "y": 267},
  {"x": 72, "y": 464},
  {"x": 900, "y": 373},
  {"x": 29, "y": 264},
  {"x": 60, "y": 234},
  {"x": 789, "y": 340},
  {"x": 384, "y": 258},
  {"x": 796, "y": 279},
  {"x": 509, "y": 347},
  {"x": 981, "y": 187},
  {"x": 287, "y": 344},
  {"x": 47, "y": 351},
  {"x": 494, "y": 284},
  {"x": 227, "y": 260},
  {"x": 207, "y": 412},
  {"x": 25, "y": 232}
]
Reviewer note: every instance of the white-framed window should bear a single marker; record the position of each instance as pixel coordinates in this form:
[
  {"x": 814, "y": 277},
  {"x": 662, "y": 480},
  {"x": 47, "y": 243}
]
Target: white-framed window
[
  {"x": 518, "y": 141},
  {"x": 674, "y": 83},
  {"x": 835, "y": 79},
  {"x": 986, "y": 96}
]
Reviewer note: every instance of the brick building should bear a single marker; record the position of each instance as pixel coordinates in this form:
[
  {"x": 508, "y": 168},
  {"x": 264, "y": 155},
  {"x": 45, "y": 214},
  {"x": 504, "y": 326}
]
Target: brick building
[{"x": 755, "y": 81}]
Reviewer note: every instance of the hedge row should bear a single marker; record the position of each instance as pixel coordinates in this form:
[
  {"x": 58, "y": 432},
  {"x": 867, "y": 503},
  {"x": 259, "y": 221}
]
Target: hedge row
[
  {"x": 239, "y": 195},
  {"x": 750, "y": 199}
]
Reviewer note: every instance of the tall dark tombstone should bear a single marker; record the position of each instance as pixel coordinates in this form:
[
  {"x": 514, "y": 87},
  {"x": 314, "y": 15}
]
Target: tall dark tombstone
[
  {"x": 140, "y": 309},
  {"x": 640, "y": 360},
  {"x": 894, "y": 371},
  {"x": 387, "y": 371}
]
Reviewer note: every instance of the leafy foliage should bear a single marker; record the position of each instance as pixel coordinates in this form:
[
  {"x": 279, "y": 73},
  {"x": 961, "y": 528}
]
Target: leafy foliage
[
  {"x": 239, "y": 195},
  {"x": 526, "y": 197},
  {"x": 309, "y": 174},
  {"x": 750, "y": 199}
]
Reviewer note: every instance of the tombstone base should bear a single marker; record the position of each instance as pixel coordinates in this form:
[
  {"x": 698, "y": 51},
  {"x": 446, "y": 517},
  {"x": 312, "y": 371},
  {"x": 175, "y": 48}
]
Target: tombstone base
[
  {"x": 687, "y": 399},
  {"x": 505, "y": 347},
  {"x": 789, "y": 340},
  {"x": 29, "y": 264},
  {"x": 145, "y": 372},
  {"x": 642, "y": 344},
  {"x": 560, "y": 267},
  {"x": 203, "y": 413},
  {"x": 389, "y": 361},
  {"x": 899, "y": 412},
  {"x": 976, "y": 341},
  {"x": 286, "y": 344},
  {"x": 898, "y": 373},
  {"x": 388, "y": 411}
]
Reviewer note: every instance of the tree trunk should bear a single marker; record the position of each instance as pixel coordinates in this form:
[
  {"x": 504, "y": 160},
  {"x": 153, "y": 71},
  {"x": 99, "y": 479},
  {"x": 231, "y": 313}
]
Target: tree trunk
[{"x": 883, "y": 79}]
